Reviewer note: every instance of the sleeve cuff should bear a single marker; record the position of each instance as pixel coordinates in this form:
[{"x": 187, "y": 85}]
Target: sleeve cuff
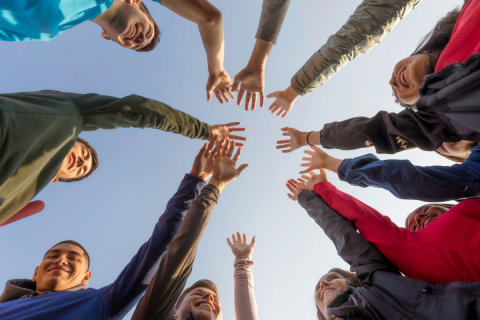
[
  {"x": 322, "y": 188},
  {"x": 342, "y": 169}
]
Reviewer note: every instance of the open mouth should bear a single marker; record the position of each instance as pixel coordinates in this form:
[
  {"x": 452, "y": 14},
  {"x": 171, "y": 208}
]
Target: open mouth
[
  {"x": 427, "y": 222},
  {"x": 329, "y": 290},
  {"x": 403, "y": 80},
  {"x": 132, "y": 34},
  {"x": 73, "y": 160},
  {"x": 206, "y": 305}
]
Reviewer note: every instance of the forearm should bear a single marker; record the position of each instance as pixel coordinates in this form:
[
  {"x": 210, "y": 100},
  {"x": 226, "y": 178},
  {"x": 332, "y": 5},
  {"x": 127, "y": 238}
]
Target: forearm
[
  {"x": 371, "y": 21},
  {"x": 407, "y": 181},
  {"x": 245, "y": 303},
  {"x": 260, "y": 54},
  {"x": 211, "y": 32},
  {"x": 271, "y": 19}
]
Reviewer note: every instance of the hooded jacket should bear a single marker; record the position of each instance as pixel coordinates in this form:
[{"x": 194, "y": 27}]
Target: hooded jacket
[
  {"x": 19, "y": 301},
  {"x": 386, "y": 295},
  {"x": 38, "y": 129}
]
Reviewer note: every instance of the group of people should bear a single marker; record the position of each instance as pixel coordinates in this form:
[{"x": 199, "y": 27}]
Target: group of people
[{"x": 428, "y": 270}]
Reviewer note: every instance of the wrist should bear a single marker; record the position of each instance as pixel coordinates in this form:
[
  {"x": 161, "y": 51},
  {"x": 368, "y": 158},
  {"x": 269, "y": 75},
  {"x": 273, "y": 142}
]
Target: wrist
[
  {"x": 215, "y": 71},
  {"x": 220, "y": 184},
  {"x": 260, "y": 53},
  {"x": 332, "y": 164},
  {"x": 303, "y": 138},
  {"x": 291, "y": 94},
  {"x": 200, "y": 175}
]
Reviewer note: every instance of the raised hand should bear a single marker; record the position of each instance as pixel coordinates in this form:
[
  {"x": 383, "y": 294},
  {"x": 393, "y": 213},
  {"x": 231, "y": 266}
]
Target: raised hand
[
  {"x": 295, "y": 188},
  {"x": 241, "y": 248},
  {"x": 220, "y": 84},
  {"x": 224, "y": 170},
  {"x": 319, "y": 159},
  {"x": 297, "y": 140},
  {"x": 283, "y": 101},
  {"x": 314, "y": 178},
  {"x": 222, "y": 131},
  {"x": 204, "y": 161},
  {"x": 252, "y": 81}
]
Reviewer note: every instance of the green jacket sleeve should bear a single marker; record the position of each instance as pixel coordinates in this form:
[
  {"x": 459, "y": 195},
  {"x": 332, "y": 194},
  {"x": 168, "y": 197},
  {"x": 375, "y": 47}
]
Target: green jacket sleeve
[
  {"x": 104, "y": 112},
  {"x": 370, "y": 22}
]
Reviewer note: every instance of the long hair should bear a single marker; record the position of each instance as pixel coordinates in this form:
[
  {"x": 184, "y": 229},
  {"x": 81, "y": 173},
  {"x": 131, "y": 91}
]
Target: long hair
[
  {"x": 467, "y": 147},
  {"x": 350, "y": 278}
]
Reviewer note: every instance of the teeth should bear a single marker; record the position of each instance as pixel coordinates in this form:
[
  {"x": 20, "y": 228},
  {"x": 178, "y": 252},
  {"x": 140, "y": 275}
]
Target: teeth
[
  {"x": 206, "y": 305},
  {"x": 133, "y": 32},
  {"x": 402, "y": 78}
]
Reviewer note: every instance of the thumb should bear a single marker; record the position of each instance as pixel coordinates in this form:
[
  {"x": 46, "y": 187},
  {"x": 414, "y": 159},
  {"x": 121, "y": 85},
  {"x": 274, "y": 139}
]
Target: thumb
[
  {"x": 210, "y": 86},
  {"x": 254, "y": 240},
  {"x": 323, "y": 174},
  {"x": 273, "y": 94},
  {"x": 241, "y": 168},
  {"x": 235, "y": 84},
  {"x": 315, "y": 148}
]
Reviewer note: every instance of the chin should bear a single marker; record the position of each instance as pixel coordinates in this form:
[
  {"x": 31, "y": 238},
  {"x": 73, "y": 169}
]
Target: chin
[{"x": 204, "y": 315}]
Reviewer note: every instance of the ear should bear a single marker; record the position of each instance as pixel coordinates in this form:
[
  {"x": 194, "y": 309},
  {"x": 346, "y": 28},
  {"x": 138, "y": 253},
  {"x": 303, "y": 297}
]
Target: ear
[
  {"x": 175, "y": 314},
  {"x": 54, "y": 180},
  {"x": 105, "y": 35},
  {"x": 35, "y": 274},
  {"x": 87, "y": 277}
]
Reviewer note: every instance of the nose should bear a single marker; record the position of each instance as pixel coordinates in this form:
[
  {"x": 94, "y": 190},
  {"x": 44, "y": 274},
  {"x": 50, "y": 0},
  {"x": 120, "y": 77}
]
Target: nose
[
  {"x": 140, "y": 40},
  {"x": 61, "y": 260},
  {"x": 80, "y": 161},
  {"x": 418, "y": 220},
  {"x": 393, "y": 83}
]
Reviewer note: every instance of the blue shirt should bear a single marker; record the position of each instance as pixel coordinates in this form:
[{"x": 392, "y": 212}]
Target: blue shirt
[
  {"x": 28, "y": 20},
  {"x": 406, "y": 181},
  {"x": 115, "y": 300}
]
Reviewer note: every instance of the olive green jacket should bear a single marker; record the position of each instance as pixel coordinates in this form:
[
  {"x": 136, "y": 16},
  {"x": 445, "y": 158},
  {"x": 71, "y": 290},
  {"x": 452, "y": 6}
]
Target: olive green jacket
[
  {"x": 370, "y": 22},
  {"x": 38, "y": 129}
]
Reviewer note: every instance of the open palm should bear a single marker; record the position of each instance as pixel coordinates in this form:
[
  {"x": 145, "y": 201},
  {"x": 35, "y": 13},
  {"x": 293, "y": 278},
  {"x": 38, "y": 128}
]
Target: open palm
[{"x": 240, "y": 247}]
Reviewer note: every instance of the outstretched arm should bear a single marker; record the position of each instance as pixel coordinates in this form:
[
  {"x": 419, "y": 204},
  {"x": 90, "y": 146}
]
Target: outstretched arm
[
  {"x": 245, "y": 303},
  {"x": 210, "y": 24}
]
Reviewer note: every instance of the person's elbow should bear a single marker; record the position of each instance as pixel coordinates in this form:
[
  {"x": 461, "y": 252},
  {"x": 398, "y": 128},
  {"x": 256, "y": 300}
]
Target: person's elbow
[{"x": 211, "y": 18}]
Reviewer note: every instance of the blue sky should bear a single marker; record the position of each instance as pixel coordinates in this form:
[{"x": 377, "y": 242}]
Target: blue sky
[{"x": 113, "y": 212}]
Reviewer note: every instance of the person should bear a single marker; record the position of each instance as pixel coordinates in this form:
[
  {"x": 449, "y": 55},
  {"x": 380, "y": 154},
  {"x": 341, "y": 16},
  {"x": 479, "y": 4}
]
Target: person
[
  {"x": 251, "y": 79},
  {"x": 376, "y": 290},
  {"x": 59, "y": 287},
  {"x": 423, "y": 244},
  {"x": 245, "y": 302},
  {"x": 50, "y": 123},
  {"x": 364, "y": 29},
  {"x": 163, "y": 299},
  {"x": 403, "y": 179},
  {"x": 126, "y": 22}
]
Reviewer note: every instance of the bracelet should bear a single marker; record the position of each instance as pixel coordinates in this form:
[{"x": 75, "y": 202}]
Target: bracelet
[{"x": 307, "y": 138}]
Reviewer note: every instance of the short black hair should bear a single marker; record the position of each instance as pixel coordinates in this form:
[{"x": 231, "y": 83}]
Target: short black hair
[
  {"x": 156, "y": 31},
  {"x": 75, "y": 243},
  {"x": 204, "y": 283},
  {"x": 94, "y": 155}
]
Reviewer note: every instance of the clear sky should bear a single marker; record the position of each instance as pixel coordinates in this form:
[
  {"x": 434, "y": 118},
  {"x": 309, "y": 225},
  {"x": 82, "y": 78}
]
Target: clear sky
[{"x": 113, "y": 212}]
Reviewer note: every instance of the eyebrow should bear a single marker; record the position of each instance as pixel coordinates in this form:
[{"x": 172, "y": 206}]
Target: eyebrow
[{"x": 60, "y": 251}]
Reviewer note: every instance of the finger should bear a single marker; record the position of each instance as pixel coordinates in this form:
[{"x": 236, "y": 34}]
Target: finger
[
  {"x": 240, "y": 97},
  {"x": 237, "y": 154},
  {"x": 254, "y": 240},
  {"x": 241, "y": 168},
  {"x": 236, "y": 129},
  {"x": 262, "y": 99},
  {"x": 254, "y": 101},
  {"x": 238, "y": 144},
  {"x": 218, "y": 147},
  {"x": 287, "y": 151},
  {"x": 280, "y": 112},
  {"x": 301, "y": 180},
  {"x": 307, "y": 159},
  {"x": 273, "y": 94},
  {"x": 248, "y": 97},
  {"x": 245, "y": 239},
  {"x": 219, "y": 96},
  {"x": 309, "y": 152},
  {"x": 283, "y": 146},
  {"x": 292, "y": 189},
  {"x": 235, "y": 84},
  {"x": 209, "y": 91},
  {"x": 239, "y": 237},
  {"x": 224, "y": 94},
  {"x": 285, "y": 114},
  {"x": 315, "y": 148},
  {"x": 229, "y": 243},
  {"x": 275, "y": 109},
  {"x": 231, "y": 124},
  {"x": 323, "y": 174},
  {"x": 291, "y": 196},
  {"x": 305, "y": 164},
  {"x": 286, "y": 134},
  {"x": 305, "y": 171},
  {"x": 284, "y": 141},
  {"x": 274, "y": 106},
  {"x": 234, "y": 239},
  {"x": 225, "y": 146},
  {"x": 230, "y": 149},
  {"x": 211, "y": 145},
  {"x": 230, "y": 92},
  {"x": 306, "y": 177},
  {"x": 234, "y": 137}
]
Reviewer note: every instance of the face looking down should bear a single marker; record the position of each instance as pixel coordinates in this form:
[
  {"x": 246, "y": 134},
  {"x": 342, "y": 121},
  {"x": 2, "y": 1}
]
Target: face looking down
[
  {"x": 330, "y": 286},
  {"x": 421, "y": 217},
  {"x": 129, "y": 26},
  {"x": 456, "y": 149},
  {"x": 63, "y": 267},
  {"x": 407, "y": 77},
  {"x": 76, "y": 164},
  {"x": 203, "y": 303}
]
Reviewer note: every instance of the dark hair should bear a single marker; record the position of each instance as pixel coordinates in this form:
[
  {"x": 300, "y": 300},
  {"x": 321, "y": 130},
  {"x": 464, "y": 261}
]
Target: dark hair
[
  {"x": 156, "y": 31},
  {"x": 443, "y": 205},
  {"x": 435, "y": 42},
  {"x": 204, "y": 283},
  {"x": 467, "y": 147},
  {"x": 75, "y": 243},
  {"x": 94, "y": 155},
  {"x": 351, "y": 279}
]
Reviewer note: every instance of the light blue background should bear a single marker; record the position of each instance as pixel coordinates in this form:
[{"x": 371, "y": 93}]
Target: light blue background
[{"x": 113, "y": 212}]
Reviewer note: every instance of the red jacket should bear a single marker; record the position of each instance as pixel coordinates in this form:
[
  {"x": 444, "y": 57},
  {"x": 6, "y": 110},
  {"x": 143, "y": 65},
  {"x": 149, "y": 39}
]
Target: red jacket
[
  {"x": 465, "y": 39},
  {"x": 446, "y": 251}
]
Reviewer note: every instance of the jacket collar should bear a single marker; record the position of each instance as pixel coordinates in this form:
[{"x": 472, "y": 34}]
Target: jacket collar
[
  {"x": 25, "y": 288},
  {"x": 344, "y": 306},
  {"x": 190, "y": 316}
]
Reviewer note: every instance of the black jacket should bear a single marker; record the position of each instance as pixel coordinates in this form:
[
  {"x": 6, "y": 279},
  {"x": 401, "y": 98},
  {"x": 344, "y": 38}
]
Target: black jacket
[
  {"x": 386, "y": 294},
  {"x": 448, "y": 111}
]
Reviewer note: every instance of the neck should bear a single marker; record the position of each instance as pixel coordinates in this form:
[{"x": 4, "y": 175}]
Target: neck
[{"x": 107, "y": 16}]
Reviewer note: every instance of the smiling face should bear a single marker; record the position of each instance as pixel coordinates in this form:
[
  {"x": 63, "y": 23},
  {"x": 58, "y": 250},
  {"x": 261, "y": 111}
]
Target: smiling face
[
  {"x": 63, "y": 267},
  {"x": 76, "y": 164},
  {"x": 408, "y": 76},
  {"x": 330, "y": 286},
  {"x": 128, "y": 26},
  {"x": 421, "y": 217},
  {"x": 203, "y": 303}
]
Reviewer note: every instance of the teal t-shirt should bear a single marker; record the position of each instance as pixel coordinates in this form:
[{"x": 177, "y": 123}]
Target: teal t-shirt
[{"x": 29, "y": 20}]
